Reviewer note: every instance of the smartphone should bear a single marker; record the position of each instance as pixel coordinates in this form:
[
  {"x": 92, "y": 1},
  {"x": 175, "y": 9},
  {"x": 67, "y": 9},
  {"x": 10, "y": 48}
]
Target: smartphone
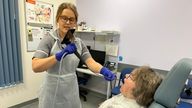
[
  {"x": 70, "y": 31},
  {"x": 68, "y": 37}
]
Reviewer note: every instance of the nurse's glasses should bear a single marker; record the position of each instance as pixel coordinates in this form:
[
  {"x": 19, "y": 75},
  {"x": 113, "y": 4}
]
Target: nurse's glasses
[{"x": 66, "y": 19}]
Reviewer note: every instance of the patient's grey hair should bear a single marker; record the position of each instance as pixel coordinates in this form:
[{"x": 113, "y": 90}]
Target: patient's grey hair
[{"x": 146, "y": 81}]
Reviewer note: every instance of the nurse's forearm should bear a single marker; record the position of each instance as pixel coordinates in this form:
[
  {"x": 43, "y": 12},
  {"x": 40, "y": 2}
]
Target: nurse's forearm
[
  {"x": 42, "y": 64},
  {"x": 93, "y": 65}
]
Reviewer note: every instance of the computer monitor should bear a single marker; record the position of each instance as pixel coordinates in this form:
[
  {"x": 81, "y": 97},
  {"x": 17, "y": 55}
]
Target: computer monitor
[{"x": 98, "y": 56}]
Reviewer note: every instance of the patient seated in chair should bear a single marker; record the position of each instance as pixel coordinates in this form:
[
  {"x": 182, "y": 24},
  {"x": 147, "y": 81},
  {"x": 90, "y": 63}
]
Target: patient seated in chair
[{"x": 137, "y": 91}]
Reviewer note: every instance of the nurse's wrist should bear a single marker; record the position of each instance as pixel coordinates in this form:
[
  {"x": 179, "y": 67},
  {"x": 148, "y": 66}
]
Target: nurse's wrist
[
  {"x": 57, "y": 57},
  {"x": 53, "y": 59}
]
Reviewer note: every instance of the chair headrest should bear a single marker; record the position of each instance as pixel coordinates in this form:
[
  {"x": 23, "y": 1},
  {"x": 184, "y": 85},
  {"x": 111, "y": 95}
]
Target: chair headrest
[
  {"x": 124, "y": 72},
  {"x": 169, "y": 90}
]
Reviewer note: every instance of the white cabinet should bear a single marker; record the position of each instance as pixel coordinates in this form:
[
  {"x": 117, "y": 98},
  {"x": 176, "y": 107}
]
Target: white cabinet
[{"x": 98, "y": 39}]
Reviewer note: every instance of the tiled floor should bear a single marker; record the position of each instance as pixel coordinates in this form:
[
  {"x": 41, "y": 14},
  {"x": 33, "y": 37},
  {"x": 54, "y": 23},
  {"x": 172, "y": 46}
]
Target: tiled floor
[{"x": 93, "y": 101}]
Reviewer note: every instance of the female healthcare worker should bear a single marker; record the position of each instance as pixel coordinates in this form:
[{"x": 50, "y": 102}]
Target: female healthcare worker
[{"x": 60, "y": 88}]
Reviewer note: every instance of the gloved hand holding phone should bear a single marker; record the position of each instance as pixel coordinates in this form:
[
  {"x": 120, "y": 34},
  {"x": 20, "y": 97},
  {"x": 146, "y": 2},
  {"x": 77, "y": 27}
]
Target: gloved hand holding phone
[
  {"x": 69, "y": 49},
  {"x": 108, "y": 75}
]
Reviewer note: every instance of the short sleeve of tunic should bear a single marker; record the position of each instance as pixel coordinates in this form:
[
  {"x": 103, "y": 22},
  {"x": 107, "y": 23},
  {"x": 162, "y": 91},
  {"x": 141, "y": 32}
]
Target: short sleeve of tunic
[
  {"x": 44, "y": 48},
  {"x": 84, "y": 51}
]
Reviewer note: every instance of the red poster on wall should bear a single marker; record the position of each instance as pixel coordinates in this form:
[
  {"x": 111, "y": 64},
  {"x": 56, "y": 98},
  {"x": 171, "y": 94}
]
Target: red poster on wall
[{"x": 31, "y": 1}]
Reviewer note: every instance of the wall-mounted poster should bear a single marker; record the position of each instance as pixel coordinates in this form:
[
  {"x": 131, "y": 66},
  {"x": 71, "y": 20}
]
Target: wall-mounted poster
[
  {"x": 39, "y": 21},
  {"x": 34, "y": 36},
  {"x": 39, "y": 12}
]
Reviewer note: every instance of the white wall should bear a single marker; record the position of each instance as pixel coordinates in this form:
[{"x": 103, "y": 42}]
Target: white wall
[
  {"x": 154, "y": 32},
  {"x": 32, "y": 81}
]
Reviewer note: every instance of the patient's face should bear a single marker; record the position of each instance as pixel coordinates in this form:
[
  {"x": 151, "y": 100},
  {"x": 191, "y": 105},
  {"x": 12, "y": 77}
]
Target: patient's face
[{"x": 129, "y": 85}]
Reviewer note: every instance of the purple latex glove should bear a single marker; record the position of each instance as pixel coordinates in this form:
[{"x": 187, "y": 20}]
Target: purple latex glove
[
  {"x": 69, "y": 49},
  {"x": 108, "y": 75}
]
